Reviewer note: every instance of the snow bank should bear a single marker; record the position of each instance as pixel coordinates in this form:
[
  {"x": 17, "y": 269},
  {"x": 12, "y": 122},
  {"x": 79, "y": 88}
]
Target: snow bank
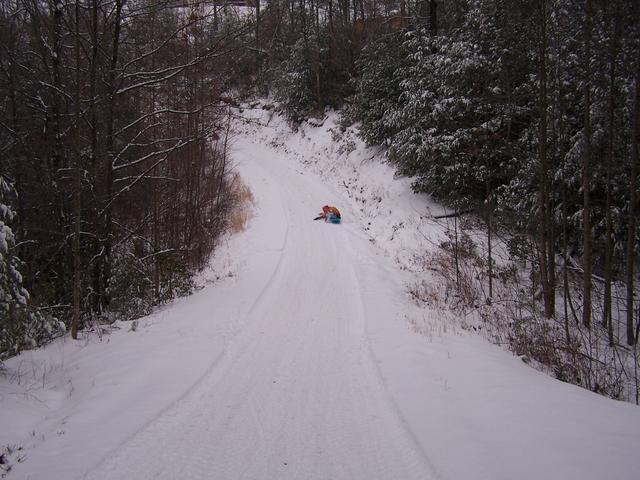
[
  {"x": 471, "y": 409},
  {"x": 476, "y": 410}
]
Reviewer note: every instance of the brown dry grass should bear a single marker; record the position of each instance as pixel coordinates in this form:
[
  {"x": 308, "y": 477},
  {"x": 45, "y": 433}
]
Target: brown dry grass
[{"x": 243, "y": 209}]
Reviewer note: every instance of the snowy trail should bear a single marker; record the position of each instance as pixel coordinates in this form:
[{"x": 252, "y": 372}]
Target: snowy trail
[
  {"x": 302, "y": 358},
  {"x": 296, "y": 393}
]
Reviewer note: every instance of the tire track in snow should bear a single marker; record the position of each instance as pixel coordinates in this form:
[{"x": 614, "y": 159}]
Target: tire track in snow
[
  {"x": 169, "y": 410},
  {"x": 420, "y": 455}
]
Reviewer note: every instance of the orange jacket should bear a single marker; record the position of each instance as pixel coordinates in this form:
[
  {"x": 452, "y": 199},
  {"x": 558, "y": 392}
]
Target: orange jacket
[{"x": 326, "y": 210}]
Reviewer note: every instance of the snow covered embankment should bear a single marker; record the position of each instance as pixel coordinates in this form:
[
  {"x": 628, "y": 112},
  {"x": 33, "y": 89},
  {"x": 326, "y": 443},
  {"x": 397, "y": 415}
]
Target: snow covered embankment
[
  {"x": 478, "y": 411},
  {"x": 305, "y": 360}
]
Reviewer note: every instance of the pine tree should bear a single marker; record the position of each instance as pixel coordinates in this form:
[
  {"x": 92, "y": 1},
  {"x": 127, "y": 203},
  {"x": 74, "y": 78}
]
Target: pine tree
[
  {"x": 20, "y": 327},
  {"x": 292, "y": 87}
]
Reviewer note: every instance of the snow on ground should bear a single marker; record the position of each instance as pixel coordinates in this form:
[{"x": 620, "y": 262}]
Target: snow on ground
[{"x": 300, "y": 357}]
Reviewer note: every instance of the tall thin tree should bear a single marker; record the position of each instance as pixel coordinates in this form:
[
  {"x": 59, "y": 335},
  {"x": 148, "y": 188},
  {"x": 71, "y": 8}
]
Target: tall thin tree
[
  {"x": 631, "y": 233},
  {"x": 77, "y": 182},
  {"x": 586, "y": 173},
  {"x": 608, "y": 267}
]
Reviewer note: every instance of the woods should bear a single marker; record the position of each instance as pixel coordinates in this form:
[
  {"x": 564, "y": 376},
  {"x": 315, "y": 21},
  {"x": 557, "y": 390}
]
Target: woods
[
  {"x": 522, "y": 112},
  {"x": 116, "y": 180},
  {"x": 114, "y": 164},
  {"x": 544, "y": 127}
]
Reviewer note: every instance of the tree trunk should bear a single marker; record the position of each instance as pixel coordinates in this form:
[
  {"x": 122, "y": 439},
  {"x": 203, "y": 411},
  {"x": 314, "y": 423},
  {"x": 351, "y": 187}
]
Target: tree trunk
[
  {"x": 489, "y": 214},
  {"x": 455, "y": 251},
  {"x": 106, "y": 183},
  {"x": 633, "y": 185},
  {"x": 545, "y": 247},
  {"x": 433, "y": 17},
  {"x": 606, "y": 317},
  {"x": 75, "y": 322},
  {"x": 565, "y": 273},
  {"x": 586, "y": 177},
  {"x": 258, "y": 56},
  {"x": 95, "y": 303}
]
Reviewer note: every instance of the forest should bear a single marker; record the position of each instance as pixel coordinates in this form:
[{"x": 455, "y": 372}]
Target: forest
[
  {"x": 115, "y": 183},
  {"x": 521, "y": 116}
]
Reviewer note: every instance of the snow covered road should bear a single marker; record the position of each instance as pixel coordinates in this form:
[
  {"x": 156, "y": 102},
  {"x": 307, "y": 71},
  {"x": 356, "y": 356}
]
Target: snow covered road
[
  {"x": 296, "y": 393},
  {"x": 304, "y": 359}
]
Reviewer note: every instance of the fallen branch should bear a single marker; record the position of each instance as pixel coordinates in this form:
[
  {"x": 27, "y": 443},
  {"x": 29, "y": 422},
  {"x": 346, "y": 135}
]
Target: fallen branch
[{"x": 455, "y": 214}]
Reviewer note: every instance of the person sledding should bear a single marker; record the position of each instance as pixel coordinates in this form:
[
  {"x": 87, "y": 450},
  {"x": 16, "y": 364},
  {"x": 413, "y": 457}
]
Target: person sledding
[{"x": 329, "y": 214}]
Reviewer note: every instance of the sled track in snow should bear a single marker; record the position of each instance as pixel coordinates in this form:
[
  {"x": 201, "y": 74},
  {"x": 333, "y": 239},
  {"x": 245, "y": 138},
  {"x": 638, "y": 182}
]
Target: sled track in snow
[{"x": 373, "y": 361}]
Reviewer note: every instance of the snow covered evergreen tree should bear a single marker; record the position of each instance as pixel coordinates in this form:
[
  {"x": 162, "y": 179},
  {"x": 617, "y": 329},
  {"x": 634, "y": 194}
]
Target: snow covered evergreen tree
[
  {"x": 526, "y": 113},
  {"x": 20, "y": 327},
  {"x": 292, "y": 86},
  {"x": 12, "y": 294},
  {"x": 377, "y": 89}
]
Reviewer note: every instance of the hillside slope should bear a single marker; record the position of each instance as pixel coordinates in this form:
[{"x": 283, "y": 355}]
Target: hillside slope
[{"x": 304, "y": 358}]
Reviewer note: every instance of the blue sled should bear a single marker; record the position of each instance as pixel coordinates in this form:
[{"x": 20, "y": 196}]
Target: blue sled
[{"x": 334, "y": 219}]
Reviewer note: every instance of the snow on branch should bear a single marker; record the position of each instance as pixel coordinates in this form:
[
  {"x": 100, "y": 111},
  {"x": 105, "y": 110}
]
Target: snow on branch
[
  {"x": 163, "y": 111},
  {"x": 167, "y": 151}
]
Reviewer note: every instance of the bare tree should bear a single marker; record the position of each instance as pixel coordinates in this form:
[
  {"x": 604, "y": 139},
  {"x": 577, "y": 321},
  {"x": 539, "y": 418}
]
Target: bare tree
[
  {"x": 586, "y": 174},
  {"x": 631, "y": 229},
  {"x": 546, "y": 250},
  {"x": 607, "y": 321},
  {"x": 75, "y": 322}
]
